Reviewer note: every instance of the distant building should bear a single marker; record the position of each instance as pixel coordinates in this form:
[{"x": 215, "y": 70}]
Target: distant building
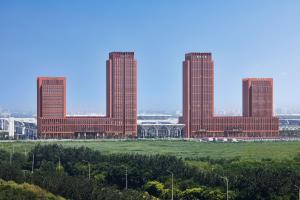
[
  {"x": 121, "y": 117},
  {"x": 289, "y": 125},
  {"x": 159, "y": 126},
  {"x": 198, "y": 104},
  {"x": 18, "y": 128}
]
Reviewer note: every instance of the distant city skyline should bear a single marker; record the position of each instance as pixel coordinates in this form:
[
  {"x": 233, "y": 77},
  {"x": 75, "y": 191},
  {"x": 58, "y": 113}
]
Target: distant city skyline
[
  {"x": 72, "y": 39},
  {"x": 218, "y": 112}
]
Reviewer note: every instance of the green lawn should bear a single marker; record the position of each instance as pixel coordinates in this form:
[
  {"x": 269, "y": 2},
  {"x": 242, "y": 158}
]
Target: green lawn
[{"x": 247, "y": 150}]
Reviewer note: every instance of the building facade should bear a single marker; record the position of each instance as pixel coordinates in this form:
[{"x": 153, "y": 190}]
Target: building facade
[
  {"x": 258, "y": 97},
  {"x": 122, "y": 89},
  {"x": 159, "y": 126},
  {"x": 198, "y": 104},
  {"x": 121, "y": 118},
  {"x": 18, "y": 128},
  {"x": 198, "y": 76},
  {"x": 51, "y": 97}
]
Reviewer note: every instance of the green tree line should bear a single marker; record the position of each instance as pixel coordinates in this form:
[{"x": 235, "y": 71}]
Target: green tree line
[{"x": 81, "y": 173}]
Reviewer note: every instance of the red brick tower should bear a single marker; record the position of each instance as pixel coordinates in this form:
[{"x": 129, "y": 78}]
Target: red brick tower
[
  {"x": 258, "y": 97},
  {"x": 51, "y": 97},
  {"x": 121, "y": 69},
  {"x": 198, "y": 91}
]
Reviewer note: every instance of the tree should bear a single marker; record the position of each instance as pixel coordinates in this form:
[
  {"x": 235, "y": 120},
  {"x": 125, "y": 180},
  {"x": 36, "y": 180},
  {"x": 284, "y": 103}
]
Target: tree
[
  {"x": 154, "y": 188},
  {"x": 13, "y": 191}
]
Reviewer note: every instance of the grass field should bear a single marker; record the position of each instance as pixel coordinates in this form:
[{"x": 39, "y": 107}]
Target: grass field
[{"x": 247, "y": 150}]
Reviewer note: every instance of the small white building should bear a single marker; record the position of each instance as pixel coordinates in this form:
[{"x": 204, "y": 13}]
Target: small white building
[{"x": 18, "y": 128}]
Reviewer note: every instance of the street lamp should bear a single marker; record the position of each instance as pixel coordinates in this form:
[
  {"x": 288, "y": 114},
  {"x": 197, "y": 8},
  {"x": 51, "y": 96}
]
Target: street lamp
[
  {"x": 126, "y": 179},
  {"x": 172, "y": 197},
  {"x": 32, "y": 164},
  {"x": 25, "y": 152},
  {"x": 89, "y": 168},
  {"x": 10, "y": 158},
  {"x": 298, "y": 191},
  {"x": 226, "y": 180},
  {"x": 12, "y": 152},
  {"x": 59, "y": 164}
]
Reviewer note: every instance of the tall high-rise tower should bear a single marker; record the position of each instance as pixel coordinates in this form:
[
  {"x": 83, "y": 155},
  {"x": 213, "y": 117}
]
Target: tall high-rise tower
[
  {"x": 198, "y": 91},
  {"x": 258, "y": 97},
  {"x": 121, "y": 69}
]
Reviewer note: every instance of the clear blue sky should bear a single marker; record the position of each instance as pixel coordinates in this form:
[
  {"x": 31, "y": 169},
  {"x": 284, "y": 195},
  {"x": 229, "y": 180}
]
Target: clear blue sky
[{"x": 73, "y": 38}]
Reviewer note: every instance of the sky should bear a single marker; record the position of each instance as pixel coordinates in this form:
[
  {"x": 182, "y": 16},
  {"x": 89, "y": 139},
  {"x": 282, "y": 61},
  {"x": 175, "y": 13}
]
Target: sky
[{"x": 73, "y": 39}]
